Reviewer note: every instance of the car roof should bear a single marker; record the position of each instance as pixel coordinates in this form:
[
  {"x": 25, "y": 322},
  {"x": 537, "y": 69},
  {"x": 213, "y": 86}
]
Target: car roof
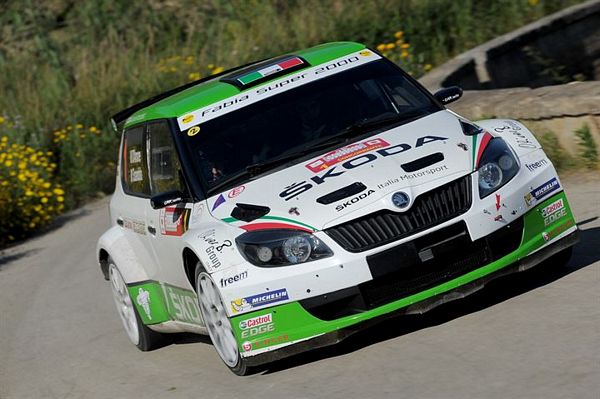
[{"x": 212, "y": 90}]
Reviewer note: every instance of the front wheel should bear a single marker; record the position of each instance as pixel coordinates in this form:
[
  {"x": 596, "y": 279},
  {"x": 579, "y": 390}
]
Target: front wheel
[
  {"x": 218, "y": 324},
  {"x": 139, "y": 335}
]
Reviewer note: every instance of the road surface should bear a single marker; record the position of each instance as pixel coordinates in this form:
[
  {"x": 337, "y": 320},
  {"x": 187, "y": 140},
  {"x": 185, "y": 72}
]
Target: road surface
[{"x": 531, "y": 335}]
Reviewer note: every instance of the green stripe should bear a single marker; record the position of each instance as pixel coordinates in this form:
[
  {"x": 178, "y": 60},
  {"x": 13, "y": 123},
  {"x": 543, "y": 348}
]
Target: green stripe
[
  {"x": 232, "y": 220},
  {"x": 474, "y": 145}
]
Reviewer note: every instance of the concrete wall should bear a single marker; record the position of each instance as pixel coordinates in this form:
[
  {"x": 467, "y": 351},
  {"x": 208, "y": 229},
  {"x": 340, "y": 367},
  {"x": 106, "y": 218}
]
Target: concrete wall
[{"x": 559, "y": 48}]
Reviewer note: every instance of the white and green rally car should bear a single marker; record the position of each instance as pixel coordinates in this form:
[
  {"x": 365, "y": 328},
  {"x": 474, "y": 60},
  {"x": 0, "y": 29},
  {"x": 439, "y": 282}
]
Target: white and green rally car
[{"x": 276, "y": 204}]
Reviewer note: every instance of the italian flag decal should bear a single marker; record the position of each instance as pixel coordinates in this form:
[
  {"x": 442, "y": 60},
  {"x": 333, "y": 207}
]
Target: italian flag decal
[
  {"x": 271, "y": 222},
  {"x": 271, "y": 69},
  {"x": 480, "y": 142}
]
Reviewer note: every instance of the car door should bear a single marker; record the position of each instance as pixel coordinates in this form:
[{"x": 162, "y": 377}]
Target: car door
[
  {"x": 132, "y": 195},
  {"x": 169, "y": 223}
]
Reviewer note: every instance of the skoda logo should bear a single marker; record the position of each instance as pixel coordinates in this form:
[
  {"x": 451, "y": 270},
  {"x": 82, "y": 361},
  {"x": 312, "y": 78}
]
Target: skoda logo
[{"x": 400, "y": 199}]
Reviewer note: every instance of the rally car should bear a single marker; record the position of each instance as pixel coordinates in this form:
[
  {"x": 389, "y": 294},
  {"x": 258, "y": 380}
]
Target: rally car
[{"x": 281, "y": 205}]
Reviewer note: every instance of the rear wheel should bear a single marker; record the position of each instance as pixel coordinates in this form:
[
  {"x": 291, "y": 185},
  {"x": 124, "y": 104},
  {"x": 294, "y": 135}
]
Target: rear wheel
[
  {"x": 139, "y": 335},
  {"x": 218, "y": 324}
]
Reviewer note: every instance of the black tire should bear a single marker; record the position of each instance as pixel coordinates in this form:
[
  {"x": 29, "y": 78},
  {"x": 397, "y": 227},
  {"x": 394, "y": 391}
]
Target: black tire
[
  {"x": 146, "y": 339},
  {"x": 241, "y": 366}
]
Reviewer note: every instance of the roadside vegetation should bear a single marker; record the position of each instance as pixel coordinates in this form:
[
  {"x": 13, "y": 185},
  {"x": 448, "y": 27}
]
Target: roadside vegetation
[{"x": 67, "y": 66}]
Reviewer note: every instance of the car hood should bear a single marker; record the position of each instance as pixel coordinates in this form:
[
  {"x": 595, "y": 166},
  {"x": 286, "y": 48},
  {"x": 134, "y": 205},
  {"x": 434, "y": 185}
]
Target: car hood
[{"x": 355, "y": 179}]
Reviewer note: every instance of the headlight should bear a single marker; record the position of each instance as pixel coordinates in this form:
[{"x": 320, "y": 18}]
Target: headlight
[
  {"x": 281, "y": 247},
  {"x": 497, "y": 166}
]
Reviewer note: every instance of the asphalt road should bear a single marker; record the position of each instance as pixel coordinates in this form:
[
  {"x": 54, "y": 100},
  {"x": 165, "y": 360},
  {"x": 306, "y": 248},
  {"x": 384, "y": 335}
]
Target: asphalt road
[{"x": 531, "y": 335}]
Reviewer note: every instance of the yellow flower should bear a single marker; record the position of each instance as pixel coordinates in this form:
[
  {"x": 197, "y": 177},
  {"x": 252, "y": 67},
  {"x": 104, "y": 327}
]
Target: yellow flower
[
  {"x": 217, "y": 70},
  {"x": 390, "y": 46},
  {"x": 22, "y": 165},
  {"x": 533, "y": 3},
  {"x": 79, "y": 126},
  {"x": 4, "y": 139},
  {"x": 405, "y": 45},
  {"x": 380, "y": 47},
  {"x": 60, "y": 198},
  {"x": 21, "y": 177},
  {"x": 93, "y": 129},
  {"x": 398, "y": 34},
  {"x": 8, "y": 164},
  {"x": 43, "y": 200},
  {"x": 194, "y": 76},
  {"x": 58, "y": 191},
  {"x": 211, "y": 66},
  {"x": 427, "y": 67},
  {"x": 404, "y": 54}
]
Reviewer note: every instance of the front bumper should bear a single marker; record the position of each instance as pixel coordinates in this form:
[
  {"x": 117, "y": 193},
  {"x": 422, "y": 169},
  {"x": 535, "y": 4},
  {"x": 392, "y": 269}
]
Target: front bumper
[{"x": 295, "y": 327}]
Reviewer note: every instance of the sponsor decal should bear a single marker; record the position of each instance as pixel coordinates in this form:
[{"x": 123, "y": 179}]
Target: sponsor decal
[
  {"x": 555, "y": 232},
  {"x": 344, "y": 153},
  {"x": 353, "y": 200},
  {"x": 365, "y": 53},
  {"x": 262, "y": 343},
  {"x": 516, "y": 131},
  {"x": 545, "y": 189},
  {"x": 278, "y": 86},
  {"x": 135, "y": 156},
  {"x": 233, "y": 279},
  {"x": 463, "y": 146},
  {"x": 411, "y": 176},
  {"x": 236, "y": 191},
  {"x": 498, "y": 202},
  {"x": 536, "y": 165},
  {"x": 143, "y": 300},
  {"x": 485, "y": 140},
  {"x": 295, "y": 189},
  {"x": 220, "y": 200},
  {"x": 188, "y": 118},
  {"x": 174, "y": 220},
  {"x": 256, "y": 321},
  {"x": 183, "y": 305},
  {"x": 254, "y": 301},
  {"x": 196, "y": 214},
  {"x": 257, "y": 326},
  {"x": 294, "y": 211},
  {"x": 134, "y": 225},
  {"x": 136, "y": 175},
  {"x": 400, "y": 199},
  {"x": 193, "y": 131},
  {"x": 553, "y": 212},
  {"x": 247, "y": 346},
  {"x": 215, "y": 247}
]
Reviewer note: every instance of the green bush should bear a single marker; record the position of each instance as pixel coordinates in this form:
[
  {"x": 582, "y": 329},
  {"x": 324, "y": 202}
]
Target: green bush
[{"x": 587, "y": 147}]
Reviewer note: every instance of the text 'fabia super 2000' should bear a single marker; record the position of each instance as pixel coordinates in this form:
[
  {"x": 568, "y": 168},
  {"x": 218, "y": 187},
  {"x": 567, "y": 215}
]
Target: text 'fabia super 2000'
[{"x": 276, "y": 204}]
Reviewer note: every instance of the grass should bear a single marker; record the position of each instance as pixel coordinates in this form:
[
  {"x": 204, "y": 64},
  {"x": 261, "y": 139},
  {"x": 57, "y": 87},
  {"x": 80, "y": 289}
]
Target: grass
[
  {"x": 67, "y": 63},
  {"x": 588, "y": 151}
]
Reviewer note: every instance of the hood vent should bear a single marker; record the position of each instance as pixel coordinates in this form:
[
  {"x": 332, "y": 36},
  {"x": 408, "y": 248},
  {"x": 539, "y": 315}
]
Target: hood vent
[
  {"x": 342, "y": 193},
  {"x": 470, "y": 129},
  {"x": 248, "y": 212},
  {"x": 423, "y": 162}
]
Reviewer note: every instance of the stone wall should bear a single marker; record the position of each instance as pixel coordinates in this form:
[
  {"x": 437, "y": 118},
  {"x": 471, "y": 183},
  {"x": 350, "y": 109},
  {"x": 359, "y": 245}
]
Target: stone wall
[{"x": 556, "y": 49}]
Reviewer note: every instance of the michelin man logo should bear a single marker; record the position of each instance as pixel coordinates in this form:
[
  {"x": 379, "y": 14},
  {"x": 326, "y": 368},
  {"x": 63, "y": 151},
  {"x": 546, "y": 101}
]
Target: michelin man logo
[
  {"x": 143, "y": 299},
  {"x": 240, "y": 305}
]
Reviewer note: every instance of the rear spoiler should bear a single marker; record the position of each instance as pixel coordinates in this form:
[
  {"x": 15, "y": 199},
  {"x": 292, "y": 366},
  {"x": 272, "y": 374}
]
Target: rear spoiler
[{"x": 118, "y": 120}]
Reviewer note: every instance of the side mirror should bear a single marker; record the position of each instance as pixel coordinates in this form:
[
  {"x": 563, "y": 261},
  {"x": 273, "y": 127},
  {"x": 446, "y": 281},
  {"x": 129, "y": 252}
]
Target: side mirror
[
  {"x": 448, "y": 95},
  {"x": 159, "y": 201}
]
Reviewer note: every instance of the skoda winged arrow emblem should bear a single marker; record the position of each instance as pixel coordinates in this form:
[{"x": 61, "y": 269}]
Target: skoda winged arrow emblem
[{"x": 400, "y": 199}]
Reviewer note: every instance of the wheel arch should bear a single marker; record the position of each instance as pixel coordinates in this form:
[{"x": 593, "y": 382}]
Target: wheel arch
[
  {"x": 114, "y": 245},
  {"x": 190, "y": 260}
]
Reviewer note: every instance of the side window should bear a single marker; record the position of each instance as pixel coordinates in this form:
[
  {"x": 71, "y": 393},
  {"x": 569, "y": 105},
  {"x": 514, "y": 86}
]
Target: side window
[
  {"x": 135, "y": 171},
  {"x": 164, "y": 163}
]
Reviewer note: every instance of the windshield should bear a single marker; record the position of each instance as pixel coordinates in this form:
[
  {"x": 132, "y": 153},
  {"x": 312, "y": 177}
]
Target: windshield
[{"x": 232, "y": 148}]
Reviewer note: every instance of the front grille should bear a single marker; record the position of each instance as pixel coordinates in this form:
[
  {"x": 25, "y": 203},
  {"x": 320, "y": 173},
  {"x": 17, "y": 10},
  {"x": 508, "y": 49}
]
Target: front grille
[{"x": 428, "y": 210}]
